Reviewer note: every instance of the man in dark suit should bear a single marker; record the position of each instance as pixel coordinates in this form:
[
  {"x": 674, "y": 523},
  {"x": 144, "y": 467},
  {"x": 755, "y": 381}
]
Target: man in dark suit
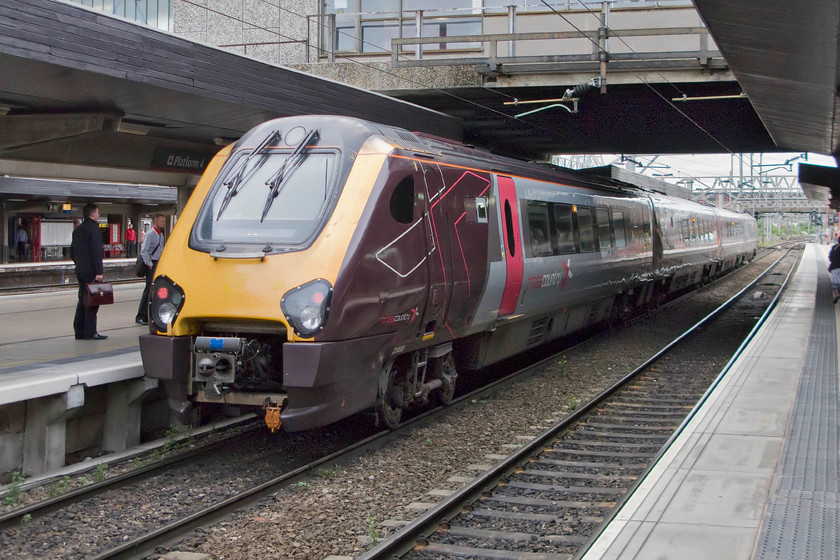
[{"x": 86, "y": 251}]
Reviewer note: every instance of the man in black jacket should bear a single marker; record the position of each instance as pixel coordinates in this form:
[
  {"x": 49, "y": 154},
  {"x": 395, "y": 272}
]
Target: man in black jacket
[{"x": 86, "y": 251}]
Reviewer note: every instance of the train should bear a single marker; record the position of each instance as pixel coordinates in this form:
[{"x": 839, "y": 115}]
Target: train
[{"x": 326, "y": 265}]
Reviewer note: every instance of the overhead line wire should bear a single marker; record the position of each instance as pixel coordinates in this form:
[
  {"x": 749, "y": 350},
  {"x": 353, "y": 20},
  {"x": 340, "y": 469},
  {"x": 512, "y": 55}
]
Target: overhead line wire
[{"x": 645, "y": 82}]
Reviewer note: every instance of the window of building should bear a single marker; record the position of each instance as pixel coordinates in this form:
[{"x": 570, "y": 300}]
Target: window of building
[
  {"x": 154, "y": 13},
  {"x": 367, "y": 26}
]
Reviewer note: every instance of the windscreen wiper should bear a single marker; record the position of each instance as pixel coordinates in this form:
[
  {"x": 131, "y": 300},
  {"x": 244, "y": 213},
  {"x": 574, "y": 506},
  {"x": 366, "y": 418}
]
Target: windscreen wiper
[
  {"x": 289, "y": 166},
  {"x": 239, "y": 176}
]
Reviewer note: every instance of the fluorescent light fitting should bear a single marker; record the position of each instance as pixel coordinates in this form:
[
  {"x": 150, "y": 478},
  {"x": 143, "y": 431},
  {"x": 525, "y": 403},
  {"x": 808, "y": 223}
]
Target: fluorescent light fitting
[{"x": 129, "y": 128}]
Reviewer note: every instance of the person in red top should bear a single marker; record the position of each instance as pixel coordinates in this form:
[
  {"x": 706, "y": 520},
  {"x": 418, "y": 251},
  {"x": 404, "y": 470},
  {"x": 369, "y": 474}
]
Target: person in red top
[{"x": 130, "y": 241}]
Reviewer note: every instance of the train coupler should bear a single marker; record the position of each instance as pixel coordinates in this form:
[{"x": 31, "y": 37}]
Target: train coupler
[{"x": 272, "y": 416}]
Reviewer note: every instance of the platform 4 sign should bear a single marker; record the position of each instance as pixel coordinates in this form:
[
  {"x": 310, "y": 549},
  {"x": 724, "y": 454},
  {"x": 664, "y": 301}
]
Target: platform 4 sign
[{"x": 179, "y": 160}]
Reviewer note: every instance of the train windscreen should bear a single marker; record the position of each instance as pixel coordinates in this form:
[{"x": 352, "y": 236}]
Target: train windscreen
[{"x": 270, "y": 197}]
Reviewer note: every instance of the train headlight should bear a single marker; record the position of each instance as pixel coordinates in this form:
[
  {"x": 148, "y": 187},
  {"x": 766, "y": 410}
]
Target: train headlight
[
  {"x": 306, "y": 307},
  {"x": 167, "y": 313},
  {"x": 166, "y": 302}
]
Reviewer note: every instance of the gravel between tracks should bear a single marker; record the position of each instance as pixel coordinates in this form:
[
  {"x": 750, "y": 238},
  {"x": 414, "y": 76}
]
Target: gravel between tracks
[{"x": 342, "y": 510}]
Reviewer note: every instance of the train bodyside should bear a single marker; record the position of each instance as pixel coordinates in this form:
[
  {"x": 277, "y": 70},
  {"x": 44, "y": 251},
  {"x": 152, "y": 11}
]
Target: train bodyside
[{"x": 330, "y": 265}]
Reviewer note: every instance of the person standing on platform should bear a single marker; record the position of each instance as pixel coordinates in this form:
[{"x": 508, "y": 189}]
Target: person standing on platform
[
  {"x": 834, "y": 270},
  {"x": 86, "y": 252},
  {"x": 21, "y": 238},
  {"x": 130, "y": 241},
  {"x": 153, "y": 243}
]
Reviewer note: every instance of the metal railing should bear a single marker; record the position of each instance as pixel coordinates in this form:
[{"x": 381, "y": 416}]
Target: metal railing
[{"x": 420, "y": 38}]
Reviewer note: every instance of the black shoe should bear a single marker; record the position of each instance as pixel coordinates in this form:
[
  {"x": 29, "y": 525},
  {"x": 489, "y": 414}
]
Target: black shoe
[
  {"x": 141, "y": 321},
  {"x": 80, "y": 338},
  {"x": 835, "y": 299},
  {"x": 98, "y": 336}
]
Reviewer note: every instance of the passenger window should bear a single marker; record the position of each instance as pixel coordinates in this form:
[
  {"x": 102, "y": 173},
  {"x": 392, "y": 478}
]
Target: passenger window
[
  {"x": 402, "y": 201},
  {"x": 509, "y": 229},
  {"x": 618, "y": 228},
  {"x": 564, "y": 231},
  {"x": 587, "y": 239},
  {"x": 538, "y": 229},
  {"x": 602, "y": 219}
]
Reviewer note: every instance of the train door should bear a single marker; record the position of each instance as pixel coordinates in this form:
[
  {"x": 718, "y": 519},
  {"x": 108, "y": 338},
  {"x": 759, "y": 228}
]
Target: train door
[
  {"x": 513, "y": 245},
  {"x": 437, "y": 245}
]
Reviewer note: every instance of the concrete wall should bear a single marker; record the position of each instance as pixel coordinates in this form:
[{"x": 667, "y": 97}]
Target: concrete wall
[
  {"x": 12, "y": 421},
  {"x": 85, "y": 428},
  {"x": 274, "y": 34}
]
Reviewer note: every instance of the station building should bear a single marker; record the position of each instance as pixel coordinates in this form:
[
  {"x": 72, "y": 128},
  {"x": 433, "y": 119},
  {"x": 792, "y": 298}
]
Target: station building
[{"x": 48, "y": 210}]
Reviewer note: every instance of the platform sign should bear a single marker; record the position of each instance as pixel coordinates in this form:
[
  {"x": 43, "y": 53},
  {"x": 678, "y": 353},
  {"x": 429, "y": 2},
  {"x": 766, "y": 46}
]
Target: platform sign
[{"x": 179, "y": 160}]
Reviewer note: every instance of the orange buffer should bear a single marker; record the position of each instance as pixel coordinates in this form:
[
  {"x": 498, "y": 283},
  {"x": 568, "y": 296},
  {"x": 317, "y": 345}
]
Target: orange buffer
[{"x": 272, "y": 416}]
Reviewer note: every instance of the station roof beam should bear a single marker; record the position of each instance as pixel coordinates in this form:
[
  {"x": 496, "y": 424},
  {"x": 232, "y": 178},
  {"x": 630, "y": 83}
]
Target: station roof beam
[{"x": 96, "y": 93}]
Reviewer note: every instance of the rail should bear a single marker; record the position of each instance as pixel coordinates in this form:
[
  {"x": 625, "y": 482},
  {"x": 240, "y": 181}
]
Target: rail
[{"x": 417, "y": 531}]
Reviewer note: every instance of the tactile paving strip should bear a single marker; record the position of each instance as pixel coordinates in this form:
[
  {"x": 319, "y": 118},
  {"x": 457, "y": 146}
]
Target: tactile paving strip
[{"x": 802, "y": 520}]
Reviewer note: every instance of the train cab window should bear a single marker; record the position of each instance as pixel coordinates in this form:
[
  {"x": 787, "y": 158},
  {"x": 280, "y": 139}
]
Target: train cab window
[
  {"x": 619, "y": 229},
  {"x": 402, "y": 201},
  {"x": 602, "y": 221},
  {"x": 564, "y": 232},
  {"x": 587, "y": 232},
  {"x": 539, "y": 229}
]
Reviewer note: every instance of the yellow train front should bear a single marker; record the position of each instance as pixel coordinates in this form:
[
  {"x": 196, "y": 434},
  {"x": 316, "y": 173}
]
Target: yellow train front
[{"x": 251, "y": 268}]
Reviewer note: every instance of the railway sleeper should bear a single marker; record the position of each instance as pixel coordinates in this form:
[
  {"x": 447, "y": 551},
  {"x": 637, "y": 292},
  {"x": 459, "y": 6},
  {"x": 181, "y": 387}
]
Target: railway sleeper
[
  {"x": 553, "y": 504},
  {"x": 575, "y": 476},
  {"x": 504, "y": 514},
  {"x": 489, "y": 534},
  {"x": 439, "y": 550},
  {"x": 592, "y": 453},
  {"x": 585, "y": 490},
  {"x": 587, "y": 464}
]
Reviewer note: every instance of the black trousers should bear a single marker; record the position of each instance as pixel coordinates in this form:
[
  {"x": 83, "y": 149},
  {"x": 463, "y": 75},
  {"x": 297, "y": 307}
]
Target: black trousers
[
  {"x": 143, "y": 308},
  {"x": 84, "y": 323}
]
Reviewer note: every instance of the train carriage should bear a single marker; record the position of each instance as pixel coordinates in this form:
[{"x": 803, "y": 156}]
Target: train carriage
[{"x": 327, "y": 265}]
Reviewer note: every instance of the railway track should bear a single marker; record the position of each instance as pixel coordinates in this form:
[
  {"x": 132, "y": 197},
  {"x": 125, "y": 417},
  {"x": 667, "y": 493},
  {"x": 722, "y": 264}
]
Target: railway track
[
  {"x": 549, "y": 499},
  {"x": 144, "y": 542}
]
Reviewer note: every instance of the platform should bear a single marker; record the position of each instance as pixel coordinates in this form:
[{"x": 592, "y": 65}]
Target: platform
[
  {"x": 59, "y": 395},
  {"x": 755, "y": 472}
]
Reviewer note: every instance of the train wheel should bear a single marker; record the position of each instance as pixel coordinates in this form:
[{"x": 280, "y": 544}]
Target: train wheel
[
  {"x": 389, "y": 406},
  {"x": 447, "y": 376}
]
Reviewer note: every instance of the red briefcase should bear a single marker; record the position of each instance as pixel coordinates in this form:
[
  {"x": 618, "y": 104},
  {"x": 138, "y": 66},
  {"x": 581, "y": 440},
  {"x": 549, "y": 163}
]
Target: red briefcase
[{"x": 98, "y": 293}]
